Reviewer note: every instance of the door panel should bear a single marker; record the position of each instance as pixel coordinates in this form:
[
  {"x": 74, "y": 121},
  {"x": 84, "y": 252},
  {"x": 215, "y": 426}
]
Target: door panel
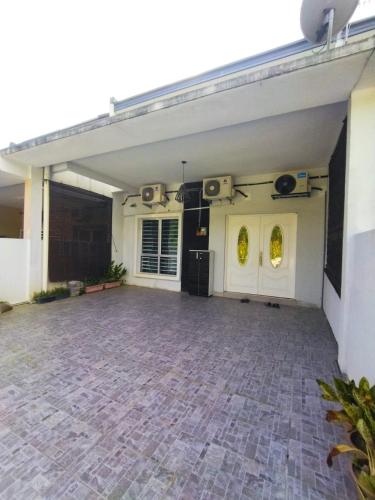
[
  {"x": 278, "y": 236},
  {"x": 242, "y": 261},
  {"x": 261, "y": 254}
]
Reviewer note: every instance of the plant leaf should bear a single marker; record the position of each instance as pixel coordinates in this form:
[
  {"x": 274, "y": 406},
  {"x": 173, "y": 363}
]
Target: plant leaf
[
  {"x": 367, "y": 484},
  {"x": 364, "y": 385},
  {"x": 371, "y": 460},
  {"x": 344, "y": 448},
  {"x": 344, "y": 390},
  {"x": 365, "y": 432},
  {"x": 353, "y": 412},
  {"x": 328, "y": 392},
  {"x": 337, "y": 416},
  {"x": 359, "y": 398},
  {"x": 370, "y": 421}
]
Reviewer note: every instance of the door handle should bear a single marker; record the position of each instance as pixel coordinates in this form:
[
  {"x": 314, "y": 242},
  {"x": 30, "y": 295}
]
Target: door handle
[{"x": 261, "y": 258}]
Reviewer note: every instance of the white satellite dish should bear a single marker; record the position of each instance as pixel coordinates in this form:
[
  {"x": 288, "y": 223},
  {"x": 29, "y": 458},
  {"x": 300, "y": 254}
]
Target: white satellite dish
[{"x": 322, "y": 19}]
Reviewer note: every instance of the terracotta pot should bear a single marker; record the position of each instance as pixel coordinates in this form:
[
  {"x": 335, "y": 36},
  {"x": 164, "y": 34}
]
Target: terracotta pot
[
  {"x": 112, "y": 284},
  {"x": 94, "y": 288}
]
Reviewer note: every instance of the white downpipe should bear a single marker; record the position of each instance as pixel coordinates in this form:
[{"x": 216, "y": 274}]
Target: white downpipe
[{"x": 46, "y": 192}]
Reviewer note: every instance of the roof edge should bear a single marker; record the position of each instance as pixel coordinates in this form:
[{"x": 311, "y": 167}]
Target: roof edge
[{"x": 272, "y": 55}]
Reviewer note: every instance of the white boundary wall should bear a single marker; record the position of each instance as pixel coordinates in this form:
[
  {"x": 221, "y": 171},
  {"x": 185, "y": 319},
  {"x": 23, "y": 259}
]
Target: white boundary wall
[
  {"x": 14, "y": 270},
  {"x": 352, "y": 317}
]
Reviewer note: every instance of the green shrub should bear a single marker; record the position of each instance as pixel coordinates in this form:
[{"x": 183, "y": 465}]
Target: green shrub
[
  {"x": 43, "y": 294},
  {"x": 60, "y": 290},
  {"x": 115, "y": 272},
  {"x": 357, "y": 416},
  {"x": 54, "y": 292}
]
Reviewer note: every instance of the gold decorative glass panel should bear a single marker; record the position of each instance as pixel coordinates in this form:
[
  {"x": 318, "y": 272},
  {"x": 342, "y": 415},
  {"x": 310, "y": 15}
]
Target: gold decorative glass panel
[
  {"x": 276, "y": 247},
  {"x": 243, "y": 246}
]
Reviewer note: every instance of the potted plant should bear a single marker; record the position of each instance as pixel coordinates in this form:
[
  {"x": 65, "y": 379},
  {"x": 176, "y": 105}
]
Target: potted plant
[
  {"x": 357, "y": 416},
  {"x": 114, "y": 275},
  {"x": 43, "y": 297},
  {"x": 93, "y": 285}
]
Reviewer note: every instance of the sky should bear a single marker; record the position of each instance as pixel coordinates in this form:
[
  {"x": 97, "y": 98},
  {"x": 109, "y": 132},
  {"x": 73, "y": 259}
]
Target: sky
[{"x": 62, "y": 61}]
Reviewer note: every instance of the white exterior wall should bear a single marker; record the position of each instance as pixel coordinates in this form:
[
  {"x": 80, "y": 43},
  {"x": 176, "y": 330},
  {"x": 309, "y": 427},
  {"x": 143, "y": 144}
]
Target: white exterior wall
[
  {"x": 130, "y": 241},
  {"x": 310, "y": 232},
  {"x": 14, "y": 270},
  {"x": 21, "y": 259},
  {"x": 352, "y": 317},
  {"x": 357, "y": 355}
]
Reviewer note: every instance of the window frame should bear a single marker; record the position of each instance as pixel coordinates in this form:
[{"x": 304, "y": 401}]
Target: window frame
[{"x": 138, "y": 247}]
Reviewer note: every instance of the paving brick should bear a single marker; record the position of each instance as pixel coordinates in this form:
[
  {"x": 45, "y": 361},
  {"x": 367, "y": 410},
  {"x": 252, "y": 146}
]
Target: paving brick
[{"x": 147, "y": 394}]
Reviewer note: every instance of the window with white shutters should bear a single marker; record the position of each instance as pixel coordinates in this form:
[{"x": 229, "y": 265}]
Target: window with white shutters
[
  {"x": 159, "y": 246},
  {"x": 150, "y": 246}
]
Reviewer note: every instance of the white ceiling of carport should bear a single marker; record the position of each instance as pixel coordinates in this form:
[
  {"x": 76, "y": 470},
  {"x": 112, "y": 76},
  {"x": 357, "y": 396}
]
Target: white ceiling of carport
[
  {"x": 303, "y": 139},
  {"x": 7, "y": 179},
  {"x": 310, "y": 87}
]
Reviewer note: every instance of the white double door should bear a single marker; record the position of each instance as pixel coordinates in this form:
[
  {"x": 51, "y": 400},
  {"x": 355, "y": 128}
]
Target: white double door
[{"x": 261, "y": 254}]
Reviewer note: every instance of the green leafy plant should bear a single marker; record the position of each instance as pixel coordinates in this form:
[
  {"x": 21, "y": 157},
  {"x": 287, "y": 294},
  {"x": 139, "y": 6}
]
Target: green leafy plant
[
  {"x": 60, "y": 291},
  {"x": 92, "y": 281},
  {"x": 55, "y": 293},
  {"x": 115, "y": 272},
  {"x": 43, "y": 294},
  {"x": 357, "y": 416}
]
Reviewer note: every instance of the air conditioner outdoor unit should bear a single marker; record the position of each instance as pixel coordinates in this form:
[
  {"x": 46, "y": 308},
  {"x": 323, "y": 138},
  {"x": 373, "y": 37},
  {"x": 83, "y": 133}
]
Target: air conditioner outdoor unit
[
  {"x": 218, "y": 188},
  {"x": 153, "y": 193},
  {"x": 291, "y": 185}
]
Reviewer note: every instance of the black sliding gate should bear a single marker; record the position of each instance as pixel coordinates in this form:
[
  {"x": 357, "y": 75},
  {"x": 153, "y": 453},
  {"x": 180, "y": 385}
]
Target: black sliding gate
[{"x": 80, "y": 232}]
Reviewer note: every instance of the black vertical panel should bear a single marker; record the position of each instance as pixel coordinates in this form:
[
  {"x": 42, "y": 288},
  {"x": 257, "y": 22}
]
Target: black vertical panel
[
  {"x": 199, "y": 273},
  {"x": 191, "y": 222},
  {"x": 337, "y": 167},
  {"x": 80, "y": 233}
]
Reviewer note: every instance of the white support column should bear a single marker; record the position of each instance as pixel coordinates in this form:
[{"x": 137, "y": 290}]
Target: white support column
[
  {"x": 357, "y": 343},
  {"x": 46, "y": 195},
  {"x": 33, "y": 227},
  {"x": 117, "y": 227}
]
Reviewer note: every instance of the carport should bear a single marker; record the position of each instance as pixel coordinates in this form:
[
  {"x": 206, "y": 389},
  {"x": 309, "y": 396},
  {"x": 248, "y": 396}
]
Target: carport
[{"x": 255, "y": 119}]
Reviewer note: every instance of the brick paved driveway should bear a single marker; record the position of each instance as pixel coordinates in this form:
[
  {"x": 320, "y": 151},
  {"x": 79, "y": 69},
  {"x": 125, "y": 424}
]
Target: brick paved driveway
[{"x": 138, "y": 393}]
